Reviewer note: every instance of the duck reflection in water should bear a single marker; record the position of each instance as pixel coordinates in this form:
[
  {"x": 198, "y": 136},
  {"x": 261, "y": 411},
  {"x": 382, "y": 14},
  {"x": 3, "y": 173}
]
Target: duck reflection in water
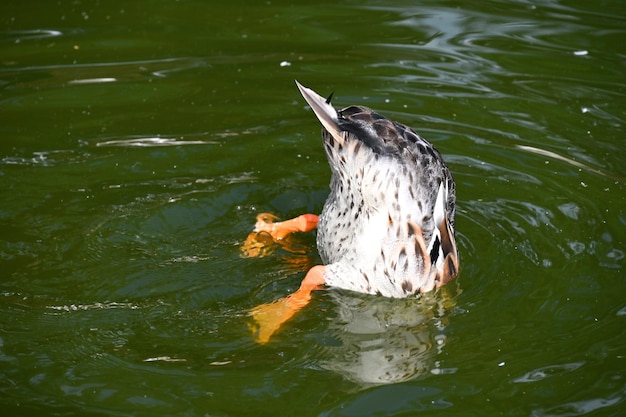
[
  {"x": 378, "y": 340},
  {"x": 387, "y": 227}
]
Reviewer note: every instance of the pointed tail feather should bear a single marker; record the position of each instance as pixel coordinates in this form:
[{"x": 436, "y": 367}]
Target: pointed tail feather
[{"x": 325, "y": 112}]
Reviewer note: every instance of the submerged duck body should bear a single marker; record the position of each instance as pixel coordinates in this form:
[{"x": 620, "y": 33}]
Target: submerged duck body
[{"x": 387, "y": 226}]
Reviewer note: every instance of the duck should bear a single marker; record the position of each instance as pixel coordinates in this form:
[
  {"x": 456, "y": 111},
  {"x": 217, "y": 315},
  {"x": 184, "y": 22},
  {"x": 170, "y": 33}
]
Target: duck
[{"x": 387, "y": 227}]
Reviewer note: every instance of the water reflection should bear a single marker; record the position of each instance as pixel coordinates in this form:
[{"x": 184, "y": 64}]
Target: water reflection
[{"x": 378, "y": 340}]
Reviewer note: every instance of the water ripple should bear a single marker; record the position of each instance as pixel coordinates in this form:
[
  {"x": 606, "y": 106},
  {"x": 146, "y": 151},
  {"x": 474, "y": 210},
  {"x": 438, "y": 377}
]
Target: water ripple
[
  {"x": 47, "y": 158},
  {"x": 152, "y": 142},
  {"x": 18, "y": 36},
  {"x": 581, "y": 408},
  {"x": 554, "y": 155},
  {"x": 548, "y": 371},
  {"x": 46, "y": 76}
]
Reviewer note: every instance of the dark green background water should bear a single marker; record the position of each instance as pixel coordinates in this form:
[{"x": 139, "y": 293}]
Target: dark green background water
[{"x": 138, "y": 141}]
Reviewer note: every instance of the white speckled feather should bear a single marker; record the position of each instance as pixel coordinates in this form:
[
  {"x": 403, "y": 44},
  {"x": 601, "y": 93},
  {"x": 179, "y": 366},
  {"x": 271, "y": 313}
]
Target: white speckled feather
[{"x": 388, "y": 224}]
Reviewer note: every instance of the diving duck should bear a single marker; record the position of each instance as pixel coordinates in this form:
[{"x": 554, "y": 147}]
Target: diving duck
[{"x": 387, "y": 226}]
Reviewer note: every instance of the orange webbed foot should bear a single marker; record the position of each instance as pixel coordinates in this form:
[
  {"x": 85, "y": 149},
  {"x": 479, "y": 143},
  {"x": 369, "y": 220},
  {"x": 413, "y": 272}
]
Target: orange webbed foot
[
  {"x": 269, "y": 317},
  {"x": 260, "y": 242},
  {"x": 268, "y": 231}
]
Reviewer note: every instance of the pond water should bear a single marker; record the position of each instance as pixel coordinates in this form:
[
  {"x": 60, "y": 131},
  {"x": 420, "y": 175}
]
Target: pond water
[{"x": 139, "y": 140}]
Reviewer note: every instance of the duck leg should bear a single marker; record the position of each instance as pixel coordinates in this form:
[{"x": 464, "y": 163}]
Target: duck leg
[
  {"x": 268, "y": 230},
  {"x": 269, "y": 317},
  {"x": 279, "y": 230}
]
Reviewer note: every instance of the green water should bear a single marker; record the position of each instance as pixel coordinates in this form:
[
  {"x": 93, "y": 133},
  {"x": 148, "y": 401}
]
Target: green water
[{"x": 138, "y": 141}]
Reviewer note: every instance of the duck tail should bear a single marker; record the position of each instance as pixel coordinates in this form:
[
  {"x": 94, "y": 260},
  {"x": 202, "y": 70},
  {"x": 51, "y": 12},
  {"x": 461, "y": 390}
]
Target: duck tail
[{"x": 325, "y": 112}]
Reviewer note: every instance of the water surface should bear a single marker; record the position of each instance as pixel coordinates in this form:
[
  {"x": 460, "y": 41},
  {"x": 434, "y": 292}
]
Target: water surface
[{"x": 140, "y": 140}]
